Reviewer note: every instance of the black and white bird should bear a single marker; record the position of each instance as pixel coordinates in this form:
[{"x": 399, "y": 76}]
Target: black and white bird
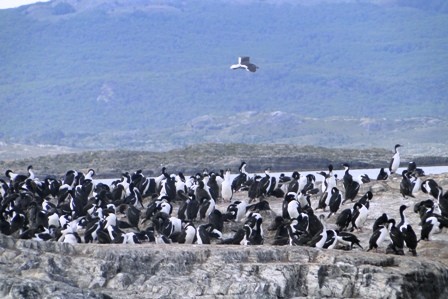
[
  {"x": 351, "y": 186},
  {"x": 409, "y": 236},
  {"x": 350, "y": 239},
  {"x": 431, "y": 187},
  {"x": 241, "y": 236},
  {"x": 382, "y": 175},
  {"x": 310, "y": 185},
  {"x": 380, "y": 221},
  {"x": 16, "y": 179},
  {"x": 189, "y": 209},
  {"x": 237, "y": 210},
  {"x": 283, "y": 183},
  {"x": 133, "y": 216},
  {"x": 213, "y": 186},
  {"x": 443, "y": 204},
  {"x": 206, "y": 207},
  {"x": 304, "y": 199},
  {"x": 290, "y": 207},
  {"x": 303, "y": 223},
  {"x": 244, "y": 63},
  {"x": 135, "y": 198},
  {"x": 412, "y": 168},
  {"x": 332, "y": 239},
  {"x": 255, "y": 221},
  {"x": 329, "y": 179},
  {"x": 216, "y": 219},
  {"x": 239, "y": 181},
  {"x": 424, "y": 208},
  {"x": 226, "y": 187},
  {"x": 293, "y": 238},
  {"x": 252, "y": 193},
  {"x": 366, "y": 198},
  {"x": 293, "y": 183},
  {"x": 359, "y": 216},
  {"x": 344, "y": 219},
  {"x": 395, "y": 161},
  {"x": 432, "y": 224},
  {"x": 325, "y": 188},
  {"x": 335, "y": 201},
  {"x": 181, "y": 182},
  {"x": 378, "y": 237},
  {"x": 410, "y": 239},
  {"x": 403, "y": 219},
  {"x": 188, "y": 233},
  {"x": 416, "y": 183},
  {"x": 267, "y": 183},
  {"x": 314, "y": 223},
  {"x": 203, "y": 234},
  {"x": 201, "y": 191},
  {"x": 320, "y": 238},
  {"x": 396, "y": 237},
  {"x": 406, "y": 185},
  {"x": 166, "y": 225}
]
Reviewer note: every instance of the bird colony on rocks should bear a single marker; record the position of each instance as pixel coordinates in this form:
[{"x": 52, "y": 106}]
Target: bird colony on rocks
[{"x": 225, "y": 208}]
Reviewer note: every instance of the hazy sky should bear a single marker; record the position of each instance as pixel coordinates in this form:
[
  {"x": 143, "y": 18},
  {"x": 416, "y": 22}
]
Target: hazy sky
[{"x": 16, "y": 3}]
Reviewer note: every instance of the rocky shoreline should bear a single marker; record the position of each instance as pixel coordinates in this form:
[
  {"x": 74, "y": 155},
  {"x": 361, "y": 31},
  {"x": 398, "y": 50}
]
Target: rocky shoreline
[
  {"x": 37, "y": 269},
  {"x": 56, "y": 270}
]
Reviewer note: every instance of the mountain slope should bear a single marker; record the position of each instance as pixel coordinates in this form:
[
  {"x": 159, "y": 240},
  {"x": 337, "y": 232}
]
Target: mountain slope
[{"x": 76, "y": 69}]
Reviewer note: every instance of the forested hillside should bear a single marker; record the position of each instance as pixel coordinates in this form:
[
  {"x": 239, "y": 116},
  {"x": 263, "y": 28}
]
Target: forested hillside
[{"x": 144, "y": 74}]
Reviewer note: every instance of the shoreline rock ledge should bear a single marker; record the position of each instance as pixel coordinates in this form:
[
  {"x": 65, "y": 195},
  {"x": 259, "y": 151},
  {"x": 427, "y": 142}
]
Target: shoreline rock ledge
[{"x": 32, "y": 269}]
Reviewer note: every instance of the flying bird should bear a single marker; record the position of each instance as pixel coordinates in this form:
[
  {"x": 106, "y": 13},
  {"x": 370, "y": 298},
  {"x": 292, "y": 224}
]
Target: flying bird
[{"x": 244, "y": 63}]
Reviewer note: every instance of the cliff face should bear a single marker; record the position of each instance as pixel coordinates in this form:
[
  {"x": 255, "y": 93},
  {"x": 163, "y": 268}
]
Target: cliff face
[{"x": 31, "y": 269}]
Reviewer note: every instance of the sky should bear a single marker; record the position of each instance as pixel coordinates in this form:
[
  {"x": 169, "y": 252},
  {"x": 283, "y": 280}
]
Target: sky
[{"x": 16, "y": 3}]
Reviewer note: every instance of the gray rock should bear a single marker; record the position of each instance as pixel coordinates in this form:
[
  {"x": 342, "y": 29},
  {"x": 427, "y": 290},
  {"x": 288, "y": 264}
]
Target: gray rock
[{"x": 213, "y": 271}]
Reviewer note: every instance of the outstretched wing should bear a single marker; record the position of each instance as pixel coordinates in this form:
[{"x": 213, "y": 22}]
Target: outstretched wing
[{"x": 244, "y": 60}]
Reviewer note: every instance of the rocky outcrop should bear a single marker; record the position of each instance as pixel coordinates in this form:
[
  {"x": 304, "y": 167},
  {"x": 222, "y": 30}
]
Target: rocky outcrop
[{"x": 32, "y": 269}]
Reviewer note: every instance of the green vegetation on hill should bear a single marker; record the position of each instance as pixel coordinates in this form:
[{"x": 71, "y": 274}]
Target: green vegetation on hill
[{"x": 73, "y": 76}]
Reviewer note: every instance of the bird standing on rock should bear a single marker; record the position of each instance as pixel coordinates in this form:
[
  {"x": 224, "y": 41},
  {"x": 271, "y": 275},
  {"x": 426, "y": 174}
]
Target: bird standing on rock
[
  {"x": 409, "y": 236},
  {"x": 378, "y": 238},
  {"x": 320, "y": 238},
  {"x": 335, "y": 201},
  {"x": 226, "y": 187},
  {"x": 406, "y": 186},
  {"x": 351, "y": 186},
  {"x": 397, "y": 239},
  {"x": 382, "y": 175},
  {"x": 348, "y": 238},
  {"x": 431, "y": 187},
  {"x": 359, "y": 216},
  {"x": 239, "y": 181},
  {"x": 344, "y": 219},
  {"x": 380, "y": 221},
  {"x": 395, "y": 161},
  {"x": 290, "y": 207}
]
